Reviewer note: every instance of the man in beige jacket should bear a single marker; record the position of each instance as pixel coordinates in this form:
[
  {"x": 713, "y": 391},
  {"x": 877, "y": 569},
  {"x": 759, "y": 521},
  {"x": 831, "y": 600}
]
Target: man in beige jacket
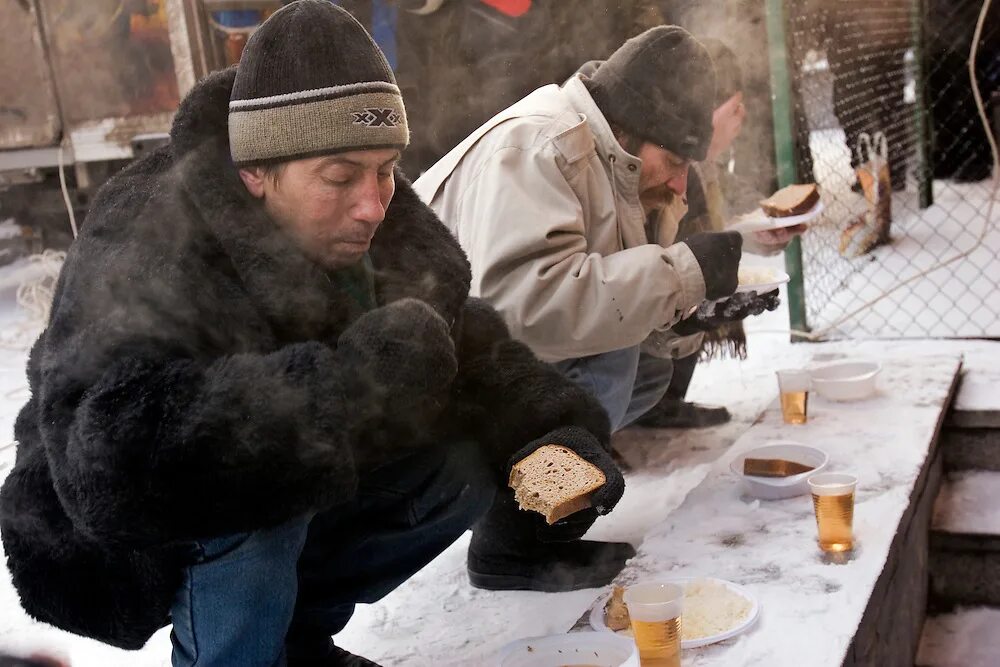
[{"x": 561, "y": 203}]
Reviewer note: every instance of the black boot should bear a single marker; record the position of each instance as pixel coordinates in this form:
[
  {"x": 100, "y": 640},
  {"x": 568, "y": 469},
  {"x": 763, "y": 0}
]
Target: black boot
[
  {"x": 320, "y": 651},
  {"x": 674, "y": 413},
  {"x": 507, "y": 553}
]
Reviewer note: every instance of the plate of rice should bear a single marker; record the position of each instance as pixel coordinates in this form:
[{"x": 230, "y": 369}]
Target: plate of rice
[
  {"x": 760, "y": 279},
  {"x": 714, "y": 610}
]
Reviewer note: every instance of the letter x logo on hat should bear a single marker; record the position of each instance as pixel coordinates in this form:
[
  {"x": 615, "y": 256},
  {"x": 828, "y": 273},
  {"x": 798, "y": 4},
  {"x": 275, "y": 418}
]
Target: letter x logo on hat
[{"x": 376, "y": 118}]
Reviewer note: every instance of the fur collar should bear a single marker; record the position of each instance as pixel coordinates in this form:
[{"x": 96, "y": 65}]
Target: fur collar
[{"x": 413, "y": 253}]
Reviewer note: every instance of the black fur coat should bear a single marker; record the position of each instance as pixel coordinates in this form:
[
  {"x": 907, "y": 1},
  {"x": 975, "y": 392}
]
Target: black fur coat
[{"x": 189, "y": 383}]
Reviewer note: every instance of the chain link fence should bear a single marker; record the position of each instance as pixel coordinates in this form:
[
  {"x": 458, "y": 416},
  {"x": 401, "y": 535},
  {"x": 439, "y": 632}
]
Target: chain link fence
[{"x": 897, "y": 68}]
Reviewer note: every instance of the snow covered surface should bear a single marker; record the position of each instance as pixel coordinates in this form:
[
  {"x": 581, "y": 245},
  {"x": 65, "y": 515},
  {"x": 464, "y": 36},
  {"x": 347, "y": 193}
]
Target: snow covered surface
[
  {"x": 969, "y": 503},
  {"x": 979, "y": 392},
  {"x": 810, "y": 606},
  {"x": 966, "y": 638},
  {"x": 436, "y": 618}
]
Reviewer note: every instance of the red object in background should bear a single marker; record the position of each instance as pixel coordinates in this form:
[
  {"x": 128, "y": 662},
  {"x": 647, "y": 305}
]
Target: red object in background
[{"x": 512, "y": 8}]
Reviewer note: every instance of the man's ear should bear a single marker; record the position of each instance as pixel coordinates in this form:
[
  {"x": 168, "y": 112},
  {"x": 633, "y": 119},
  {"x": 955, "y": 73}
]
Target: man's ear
[{"x": 253, "y": 179}]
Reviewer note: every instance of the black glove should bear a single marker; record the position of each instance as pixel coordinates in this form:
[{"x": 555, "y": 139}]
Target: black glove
[
  {"x": 713, "y": 314},
  {"x": 405, "y": 361},
  {"x": 718, "y": 255},
  {"x": 603, "y": 499}
]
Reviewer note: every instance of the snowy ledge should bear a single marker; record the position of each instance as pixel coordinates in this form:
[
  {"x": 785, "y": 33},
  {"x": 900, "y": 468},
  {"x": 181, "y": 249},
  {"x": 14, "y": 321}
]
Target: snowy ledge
[{"x": 866, "y": 611}]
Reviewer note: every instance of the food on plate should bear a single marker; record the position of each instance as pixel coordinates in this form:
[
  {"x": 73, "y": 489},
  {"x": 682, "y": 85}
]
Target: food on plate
[
  {"x": 755, "y": 275},
  {"x": 616, "y": 613},
  {"x": 555, "y": 482},
  {"x": 774, "y": 467},
  {"x": 710, "y": 608},
  {"x": 791, "y": 200}
]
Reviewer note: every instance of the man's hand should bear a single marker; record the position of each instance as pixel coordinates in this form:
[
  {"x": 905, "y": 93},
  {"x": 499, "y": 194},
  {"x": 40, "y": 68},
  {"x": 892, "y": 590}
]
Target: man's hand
[
  {"x": 718, "y": 255},
  {"x": 403, "y": 361},
  {"x": 405, "y": 346},
  {"x": 712, "y": 315},
  {"x": 603, "y": 499},
  {"x": 777, "y": 239}
]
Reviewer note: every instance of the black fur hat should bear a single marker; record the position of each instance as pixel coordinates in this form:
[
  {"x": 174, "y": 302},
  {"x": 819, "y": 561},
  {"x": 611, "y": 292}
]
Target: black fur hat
[{"x": 660, "y": 87}]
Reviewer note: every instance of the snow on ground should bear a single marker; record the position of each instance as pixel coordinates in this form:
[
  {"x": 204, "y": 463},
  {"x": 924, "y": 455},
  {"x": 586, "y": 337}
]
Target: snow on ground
[
  {"x": 966, "y": 638},
  {"x": 969, "y": 502}
]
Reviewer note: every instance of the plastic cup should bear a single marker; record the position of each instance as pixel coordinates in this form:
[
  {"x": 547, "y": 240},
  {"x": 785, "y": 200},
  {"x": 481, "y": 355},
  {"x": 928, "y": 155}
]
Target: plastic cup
[
  {"x": 833, "y": 502},
  {"x": 794, "y": 387},
  {"x": 655, "y": 612}
]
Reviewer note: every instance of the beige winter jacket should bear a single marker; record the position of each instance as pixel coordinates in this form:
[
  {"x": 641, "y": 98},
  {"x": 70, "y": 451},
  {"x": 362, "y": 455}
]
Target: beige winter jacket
[{"x": 545, "y": 202}]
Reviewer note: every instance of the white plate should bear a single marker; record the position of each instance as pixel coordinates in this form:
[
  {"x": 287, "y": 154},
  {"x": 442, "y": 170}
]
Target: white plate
[
  {"x": 759, "y": 221},
  {"x": 780, "y": 278},
  {"x": 597, "y": 612},
  {"x": 583, "y": 648}
]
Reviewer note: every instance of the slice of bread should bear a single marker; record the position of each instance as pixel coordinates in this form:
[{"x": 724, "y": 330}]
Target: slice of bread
[
  {"x": 555, "y": 482},
  {"x": 791, "y": 200},
  {"x": 615, "y": 612}
]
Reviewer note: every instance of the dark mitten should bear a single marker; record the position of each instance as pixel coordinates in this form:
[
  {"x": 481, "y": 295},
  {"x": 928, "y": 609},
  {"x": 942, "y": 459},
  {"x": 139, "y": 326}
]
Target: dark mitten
[
  {"x": 587, "y": 447},
  {"x": 573, "y": 527},
  {"x": 718, "y": 255},
  {"x": 405, "y": 360},
  {"x": 479, "y": 329},
  {"x": 504, "y": 396},
  {"x": 712, "y": 315}
]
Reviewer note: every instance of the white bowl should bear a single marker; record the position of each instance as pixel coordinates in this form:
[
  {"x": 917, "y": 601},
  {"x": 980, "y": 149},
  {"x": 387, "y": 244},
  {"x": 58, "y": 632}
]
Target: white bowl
[
  {"x": 776, "y": 488},
  {"x": 850, "y": 380},
  {"x": 601, "y": 649}
]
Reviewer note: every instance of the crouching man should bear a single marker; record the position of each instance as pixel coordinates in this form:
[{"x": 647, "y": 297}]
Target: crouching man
[
  {"x": 567, "y": 205},
  {"x": 264, "y": 395}
]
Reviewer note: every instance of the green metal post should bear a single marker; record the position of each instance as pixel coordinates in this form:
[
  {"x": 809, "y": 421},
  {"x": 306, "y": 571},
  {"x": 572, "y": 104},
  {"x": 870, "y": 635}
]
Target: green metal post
[
  {"x": 784, "y": 150},
  {"x": 921, "y": 108}
]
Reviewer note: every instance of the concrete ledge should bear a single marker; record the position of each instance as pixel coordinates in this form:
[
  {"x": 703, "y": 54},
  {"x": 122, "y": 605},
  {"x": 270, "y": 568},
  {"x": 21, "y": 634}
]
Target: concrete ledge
[
  {"x": 969, "y": 503},
  {"x": 868, "y": 610},
  {"x": 966, "y": 638},
  {"x": 965, "y": 543},
  {"x": 964, "y": 578},
  {"x": 971, "y": 448}
]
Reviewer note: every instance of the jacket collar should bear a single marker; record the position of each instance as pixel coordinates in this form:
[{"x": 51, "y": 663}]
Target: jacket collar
[
  {"x": 293, "y": 293},
  {"x": 414, "y": 254},
  {"x": 622, "y": 167}
]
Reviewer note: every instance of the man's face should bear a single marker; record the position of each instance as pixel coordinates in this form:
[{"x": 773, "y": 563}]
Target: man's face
[
  {"x": 663, "y": 177},
  {"x": 330, "y": 205}
]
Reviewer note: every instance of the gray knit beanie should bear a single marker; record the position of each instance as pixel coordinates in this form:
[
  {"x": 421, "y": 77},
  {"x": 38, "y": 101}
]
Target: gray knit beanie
[
  {"x": 312, "y": 82},
  {"x": 660, "y": 87}
]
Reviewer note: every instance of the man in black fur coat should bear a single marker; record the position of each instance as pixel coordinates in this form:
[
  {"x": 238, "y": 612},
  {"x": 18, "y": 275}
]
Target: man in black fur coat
[{"x": 264, "y": 395}]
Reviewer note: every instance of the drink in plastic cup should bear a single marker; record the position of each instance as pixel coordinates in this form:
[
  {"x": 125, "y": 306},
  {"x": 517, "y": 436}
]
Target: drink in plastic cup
[
  {"x": 833, "y": 501},
  {"x": 794, "y": 388},
  {"x": 655, "y": 612}
]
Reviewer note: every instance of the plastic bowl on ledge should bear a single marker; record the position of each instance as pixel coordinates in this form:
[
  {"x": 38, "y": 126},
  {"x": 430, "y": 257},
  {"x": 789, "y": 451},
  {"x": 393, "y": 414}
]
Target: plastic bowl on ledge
[
  {"x": 601, "y": 649},
  {"x": 850, "y": 380},
  {"x": 778, "y": 488}
]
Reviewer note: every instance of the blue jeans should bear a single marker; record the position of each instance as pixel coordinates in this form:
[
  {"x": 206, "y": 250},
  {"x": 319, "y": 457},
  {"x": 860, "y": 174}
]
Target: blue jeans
[
  {"x": 626, "y": 382},
  {"x": 243, "y": 593}
]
